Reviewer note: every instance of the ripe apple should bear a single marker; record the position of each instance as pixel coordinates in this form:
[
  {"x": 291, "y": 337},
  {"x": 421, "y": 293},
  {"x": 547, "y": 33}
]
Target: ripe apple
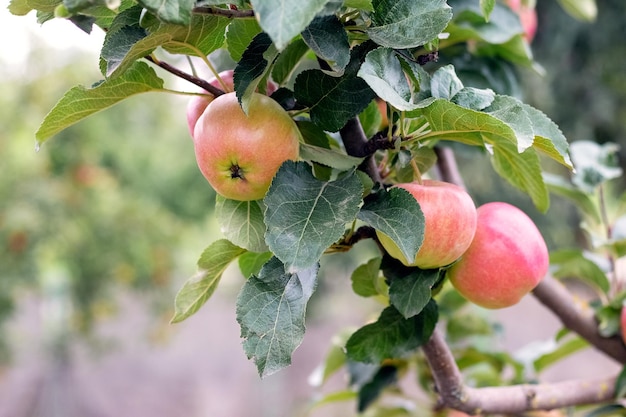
[
  {"x": 239, "y": 154},
  {"x": 197, "y": 104},
  {"x": 450, "y": 223},
  {"x": 506, "y": 260},
  {"x": 527, "y": 16}
]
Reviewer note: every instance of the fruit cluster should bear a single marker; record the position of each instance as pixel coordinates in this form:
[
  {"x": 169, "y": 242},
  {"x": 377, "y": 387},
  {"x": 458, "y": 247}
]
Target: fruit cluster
[{"x": 494, "y": 255}]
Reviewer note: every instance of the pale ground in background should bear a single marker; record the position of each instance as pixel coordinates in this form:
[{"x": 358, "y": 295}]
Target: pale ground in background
[{"x": 198, "y": 369}]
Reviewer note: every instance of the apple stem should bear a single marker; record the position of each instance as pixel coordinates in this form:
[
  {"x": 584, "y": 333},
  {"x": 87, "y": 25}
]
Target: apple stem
[{"x": 416, "y": 172}]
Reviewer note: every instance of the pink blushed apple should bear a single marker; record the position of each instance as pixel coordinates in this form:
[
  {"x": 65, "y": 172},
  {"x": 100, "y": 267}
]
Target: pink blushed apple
[
  {"x": 450, "y": 223},
  {"x": 507, "y": 258}
]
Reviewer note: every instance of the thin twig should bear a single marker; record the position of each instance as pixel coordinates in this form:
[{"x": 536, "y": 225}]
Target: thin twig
[
  {"x": 192, "y": 79},
  {"x": 229, "y": 13}
]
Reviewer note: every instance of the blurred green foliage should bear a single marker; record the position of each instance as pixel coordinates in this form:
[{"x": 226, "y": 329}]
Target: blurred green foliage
[{"x": 112, "y": 200}]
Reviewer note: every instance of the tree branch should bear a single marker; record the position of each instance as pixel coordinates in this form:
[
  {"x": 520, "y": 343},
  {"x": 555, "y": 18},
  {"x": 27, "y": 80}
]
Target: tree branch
[
  {"x": 354, "y": 140},
  {"x": 559, "y": 300},
  {"x": 192, "y": 79},
  {"x": 507, "y": 400},
  {"x": 229, "y": 13}
]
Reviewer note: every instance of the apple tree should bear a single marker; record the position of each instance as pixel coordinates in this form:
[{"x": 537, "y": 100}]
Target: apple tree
[{"x": 380, "y": 95}]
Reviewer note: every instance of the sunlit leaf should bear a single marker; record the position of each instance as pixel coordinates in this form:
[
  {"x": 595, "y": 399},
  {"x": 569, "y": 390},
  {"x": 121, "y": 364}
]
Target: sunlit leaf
[
  {"x": 80, "y": 102},
  {"x": 177, "y": 12},
  {"x": 366, "y": 277},
  {"x": 199, "y": 288}
]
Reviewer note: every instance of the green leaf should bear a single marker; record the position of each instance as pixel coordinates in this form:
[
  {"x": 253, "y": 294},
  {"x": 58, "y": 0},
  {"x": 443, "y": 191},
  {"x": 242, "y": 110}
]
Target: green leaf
[
  {"x": 401, "y": 24},
  {"x": 510, "y": 111},
  {"x": 329, "y": 157},
  {"x": 80, "y": 102},
  {"x": 583, "y": 201},
  {"x": 610, "y": 410},
  {"x": 371, "y": 119},
  {"x": 620, "y": 384},
  {"x": 284, "y": 20},
  {"x": 594, "y": 163},
  {"x": 21, "y": 7},
  {"x": 365, "y": 5},
  {"x": 572, "y": 263},
  {"x": 470, "y": 23},
  {"x": 123, "y": 47},
  {"x": 393, "y": 212},
  {"x": 177, "y": 12},
  {"x": 329, "y": 40},
  {"x": 452, "y": 122},
  {"x": 474, "y": 98},
  {"x": 384, "y": 73},
  {"x": 253, "y": 66},
  {"x": 563, "y": 350},
  {"x": 444, "y": 83},
  {"x": 199, "y": 288},
  {"x": 334, "y": 360},
  {"x": 332, "y": 101},
  {"x": 366, "y": 279},
  {"x": 585, "y": 10},
  {"x": 288, "y": 61},
  {"x": 271, "y": 310},
  {"x": 241, "y": 222},
  {"x": 486, "y": 6},
  {"x": 411, "y": 293},
  {"x": 203, "y": 35},
  {"x": 304, "y": 215},
  {"x": 523, "y": 170},
  {"x": 239, "y": 35},
  {"x": 386, "y": 376},
  {"x": 250, "y": 263},
  {"x": 548, "y": 137},
  {"x": 392, "y": 336}
]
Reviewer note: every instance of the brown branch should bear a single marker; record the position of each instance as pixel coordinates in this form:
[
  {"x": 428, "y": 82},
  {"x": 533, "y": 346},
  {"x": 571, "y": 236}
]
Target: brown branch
[
  {"x": 354, "y": 140},
  {"x": 192, "y": 79},
  {"x": 552, "y": 294},
  {"x": 512, "y": 399},
  {"x": 229, "y": 13}
]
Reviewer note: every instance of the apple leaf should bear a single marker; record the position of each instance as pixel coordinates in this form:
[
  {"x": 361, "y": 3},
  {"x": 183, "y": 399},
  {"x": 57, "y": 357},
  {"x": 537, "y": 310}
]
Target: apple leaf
[
  {"x": 239, "y": 35},
  {"x": 402, "y": 24},
  {"x": 329, "y": 40},
  {"x": 271, "y": 310},
  {"x": 177, "y": 12},
  {"x": 393, "y": 212},
  {"x": 304, "y": 215},
  {"x": 332, "y": 101},
  {"x": 385, "y": 376},
  {"x": 366, "y": 278},
  {"x": 510, "y": 111},
  {"x": 486, "y": 7},
  {"x": 452, "y": 122},
  {"x": 254, "y": 64},
  {"x": 283, "y": 20},
  {"x": 583, "y": 200},
  {"x": 200, "y": 287},
  {"x": 595, "y": 163},
  {"x": 409, "y": 294},
  {"x": 384, "y": 73},
  {"x": 392, "y": 336},
  {"x": 123, "y": 46},
  {"x": 80, "y": 102},
  {"x": 561, "y": 351},
  {"x": 572, "y": 263},
  {"x": 288, "y": 60},
  {"x": 329, "y": 157},
  {"x": 548, "y": 137},
  {"x": 444, "y": 83},
  {"x": 241, "y": 222},
  {"x": 250, "y": 263}
]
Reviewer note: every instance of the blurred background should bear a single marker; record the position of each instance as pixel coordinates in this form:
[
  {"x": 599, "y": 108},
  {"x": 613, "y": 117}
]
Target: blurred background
[{"x": 101, "y": 226}]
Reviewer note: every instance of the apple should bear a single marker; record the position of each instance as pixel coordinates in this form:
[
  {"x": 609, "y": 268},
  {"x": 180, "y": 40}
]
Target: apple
[
  {"x": 506, "y": 260},
  {"x": 239, "y": 154},
  {"x": 623, "y": 322},
  {"x": 450, "y": 222},
  {"x": 197, "y": 104},
  {"x": 527, "y": 16}
]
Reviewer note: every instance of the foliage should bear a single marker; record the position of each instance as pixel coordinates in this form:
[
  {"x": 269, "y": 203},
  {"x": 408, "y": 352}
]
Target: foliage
[{"x": 334, "y": 61}]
